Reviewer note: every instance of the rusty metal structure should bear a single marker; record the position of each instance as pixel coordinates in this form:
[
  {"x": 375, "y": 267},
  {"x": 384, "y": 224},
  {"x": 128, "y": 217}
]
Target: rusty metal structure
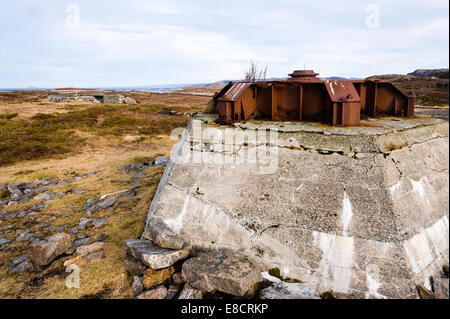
[{"x": 305, "y": 97}]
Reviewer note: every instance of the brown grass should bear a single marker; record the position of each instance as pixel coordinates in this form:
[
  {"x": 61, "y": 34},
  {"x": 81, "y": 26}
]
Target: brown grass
[{"x": 95, "y": 135}]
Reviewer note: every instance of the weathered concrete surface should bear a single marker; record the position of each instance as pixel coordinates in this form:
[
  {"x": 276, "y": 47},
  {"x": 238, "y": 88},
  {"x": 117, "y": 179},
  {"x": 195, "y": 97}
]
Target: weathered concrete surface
[{"x": 360, "y": 211}]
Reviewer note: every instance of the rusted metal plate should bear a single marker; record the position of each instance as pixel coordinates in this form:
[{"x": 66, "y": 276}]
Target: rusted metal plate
[
  {"x": 235, "y": 91},
  {"x": 340, "y": 91}
]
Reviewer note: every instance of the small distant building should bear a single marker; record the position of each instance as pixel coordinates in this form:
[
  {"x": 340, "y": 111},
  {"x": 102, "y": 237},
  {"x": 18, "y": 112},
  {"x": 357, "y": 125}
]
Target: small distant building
[
  {"x": 305, "y": 97},
  {"x": 88, "y": 95}
]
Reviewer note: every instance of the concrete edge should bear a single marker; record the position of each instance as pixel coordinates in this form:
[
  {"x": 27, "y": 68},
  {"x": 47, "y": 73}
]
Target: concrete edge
[{"x": 167, "y": 172}]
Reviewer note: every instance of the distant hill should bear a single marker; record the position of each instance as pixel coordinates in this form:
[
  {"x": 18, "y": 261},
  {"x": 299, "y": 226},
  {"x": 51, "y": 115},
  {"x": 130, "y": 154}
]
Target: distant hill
[
  {"x": 439, "y": 73},
  {"x": 430, "y": 86}
]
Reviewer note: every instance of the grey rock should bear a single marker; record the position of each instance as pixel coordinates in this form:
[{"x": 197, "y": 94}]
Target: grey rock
[
  {"x": 77, "y": 191},
  {"x": 161, "y": 161},
  {"x": 16, "y": 193},
  {"x": 4, "y": 241},
  {"x": 7, "y": 215},
  {"x": 25, "y": 236},
  {"x": 159, "y": 292},
  {"x": 81, "y": 236},
  {"x": 135, "y": 267},
  {"x": 43, "y": 252},
  {"x": 137, "y": 285},
  {"x": 46, "y": 196},
  {"x": 190, "y": 293},
  {"x": 107, "y": 203},
  {"x": 95, "y": 256},
  {"x": 284, "y": 290},
  {"x": 154, "y": 256},
  {"x": 90, "y": 204},
  {"x": 20, "y": 265},
  {"x": 91, "y": 222},
  {"x": 224, "y": 270},
  {"x": 163, "y": 236},
  {"x": 89, "y": 249},
  {"x": 80, "y": 242}
]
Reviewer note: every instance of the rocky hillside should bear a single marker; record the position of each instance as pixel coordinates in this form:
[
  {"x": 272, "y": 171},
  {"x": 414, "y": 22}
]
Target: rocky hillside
[{"x": 430, "y": 86}]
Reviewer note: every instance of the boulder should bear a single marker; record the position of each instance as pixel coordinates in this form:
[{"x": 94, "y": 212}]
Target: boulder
[
  {"x": 43, "y": 252},
  {"x": 107, "y": 203},
  {"x": 89, "y": 249},
  {"x": 94, "y": 256},
  {"x": 20, "y": 265},
  {"x": 4, "y": 241},
  {"x": 190, "y": 293},
  {"x": 135, "y": 267},
  {"x": 137, "y": 285},
  {"x": 157, "y": 293},
  {"x": 224, "y": 270},
  {"x": 284, "y": 290},
  {"x": 163, "y": 236},
  {"x": 153, "y": 278},
  {"x": 152, "y": 255}
]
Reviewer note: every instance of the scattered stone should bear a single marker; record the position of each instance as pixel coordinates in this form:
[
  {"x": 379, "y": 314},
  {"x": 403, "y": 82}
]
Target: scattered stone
[
  {"x": 101, "y": 237},
  {"x": 7, "y": 215},
  {"x": 225, "y": 270},
  {"x": 46, "y": 196},
  {"x": 154, "y": 256},
  {"x": 190, "y": 293},
  {"x": 94, "y": 256},
  {"x": 74, "y": 230},
  {"x": 178, "y": 278},
  {"x": 4, "y": 241},
  {"x": 161, "y": 161},
  {"x": 137, "y": 285},
  {"x": 157, "y": 293},
  {"x": 43, "y": 252},
  {"x": 153, "y": 278},
  {"x": 25, "y": 236},
  {"x": 89, "y": 249},
  {"x": 107, "y": 203},
  {"x": 284, "y": 290},
  {"x": 163, "y": 236},
  {"x": 76, "y": 191},
  {"x": 20, "y": 265},
  {"x": 135, "y": 267},
  {"x": 82, "y": 236},
  {"x": 90, "y": 204},
  {"x": 91, "y": 222},
  {"x": 80, "y": 242}
]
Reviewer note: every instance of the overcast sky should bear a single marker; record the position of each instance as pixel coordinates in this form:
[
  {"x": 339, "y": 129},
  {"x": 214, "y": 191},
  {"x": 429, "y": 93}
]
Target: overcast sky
[{"x": 95, "y": 43}]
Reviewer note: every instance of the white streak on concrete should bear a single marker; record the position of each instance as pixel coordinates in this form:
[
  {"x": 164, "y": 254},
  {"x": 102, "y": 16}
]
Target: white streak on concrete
[
  {"x": 439, "y": 235},
  {"x": 335, "y": 269},
  {"x": 175, "y": 224},
  {"x": 419, "y": 188},
  {"x": 372, "y": 287},
  {"x": 418, "y": 251},
  {"x": 396, "y": 187},
  {"x": 347, "y": 213}
]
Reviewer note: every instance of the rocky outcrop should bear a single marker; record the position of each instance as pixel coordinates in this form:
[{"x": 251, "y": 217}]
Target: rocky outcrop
[
  {"x": 225, "y": 270},
  {"x": 43, "y": 252},
  {"x": 154, "y": 256}
]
